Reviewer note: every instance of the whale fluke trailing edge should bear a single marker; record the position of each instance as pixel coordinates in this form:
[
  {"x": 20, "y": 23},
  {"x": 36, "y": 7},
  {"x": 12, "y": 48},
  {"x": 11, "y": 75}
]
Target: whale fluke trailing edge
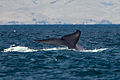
[{"x": 70, "y": 40}]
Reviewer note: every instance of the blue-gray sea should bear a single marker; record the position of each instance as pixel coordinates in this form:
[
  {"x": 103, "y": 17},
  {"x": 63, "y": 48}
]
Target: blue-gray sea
[{"x": 21, "y": 58}]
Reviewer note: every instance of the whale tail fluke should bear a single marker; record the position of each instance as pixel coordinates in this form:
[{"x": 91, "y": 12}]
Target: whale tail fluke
[
  {"x": 69, "y": 40},
  {"x": 52, "y": 41},
  {"x": 72, "y": 39}
]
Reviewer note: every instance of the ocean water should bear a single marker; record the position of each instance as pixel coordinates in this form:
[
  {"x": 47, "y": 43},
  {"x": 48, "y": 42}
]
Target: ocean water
[{"x": 21, "y": 58}]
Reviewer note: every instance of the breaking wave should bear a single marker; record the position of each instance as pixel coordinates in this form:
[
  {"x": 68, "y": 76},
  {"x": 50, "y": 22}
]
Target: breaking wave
[{"x": 14, "y": 48}]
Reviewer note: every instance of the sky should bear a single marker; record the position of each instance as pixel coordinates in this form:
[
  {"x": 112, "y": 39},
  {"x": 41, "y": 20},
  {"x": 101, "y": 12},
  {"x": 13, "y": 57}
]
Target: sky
[{"x": 59, "y": 12}]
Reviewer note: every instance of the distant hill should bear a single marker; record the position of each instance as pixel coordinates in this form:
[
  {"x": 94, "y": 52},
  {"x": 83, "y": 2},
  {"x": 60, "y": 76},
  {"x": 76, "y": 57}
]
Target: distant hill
[{"x": 59, "y": 12}]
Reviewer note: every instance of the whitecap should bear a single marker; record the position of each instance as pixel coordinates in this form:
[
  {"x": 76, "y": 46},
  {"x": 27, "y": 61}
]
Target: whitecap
[{"x": 14, "y": 30}]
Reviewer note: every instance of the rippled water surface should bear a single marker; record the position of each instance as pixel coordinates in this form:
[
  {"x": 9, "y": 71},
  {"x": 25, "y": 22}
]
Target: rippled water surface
[{"x": 23, "y": 59}]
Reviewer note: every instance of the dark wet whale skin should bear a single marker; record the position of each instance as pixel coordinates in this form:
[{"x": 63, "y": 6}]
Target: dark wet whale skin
[{"x": 70, "y": 40}]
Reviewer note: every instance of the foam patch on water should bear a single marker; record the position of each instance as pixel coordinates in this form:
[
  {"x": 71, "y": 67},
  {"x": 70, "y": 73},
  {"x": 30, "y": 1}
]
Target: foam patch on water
[
  {"x": 94, "y": 50},
  {"x": 19, "y": 49},
  {"x": 55, "y": 48},
  {"x": 66, "y": 48},
  {"x": 14, "y": 48}
]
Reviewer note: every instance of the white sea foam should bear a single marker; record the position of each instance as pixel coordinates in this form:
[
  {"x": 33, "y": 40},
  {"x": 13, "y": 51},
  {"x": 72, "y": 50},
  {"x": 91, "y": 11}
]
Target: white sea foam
[
  {"x": 18, "y": 49},
  {"x": 14, "y": 48},
  {"x": 66, "y": 48},
  {"x": 94, "y": 50},
  {"x": 55, "y": 48},
  {"x": 14, "y": 30}
]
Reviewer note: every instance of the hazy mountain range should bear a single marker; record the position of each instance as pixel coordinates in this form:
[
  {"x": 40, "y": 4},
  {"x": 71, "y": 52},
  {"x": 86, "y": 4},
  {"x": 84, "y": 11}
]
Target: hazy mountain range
[{"x": 59, "y": 12}]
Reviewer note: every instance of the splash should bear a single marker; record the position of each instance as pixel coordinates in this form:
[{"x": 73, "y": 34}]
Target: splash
[
  {"x": 94, "y": 50},
  {"x": 66, "y": 48},
  {"x": 55, "y": 48},
  {"x": 14, "y": 48}
]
